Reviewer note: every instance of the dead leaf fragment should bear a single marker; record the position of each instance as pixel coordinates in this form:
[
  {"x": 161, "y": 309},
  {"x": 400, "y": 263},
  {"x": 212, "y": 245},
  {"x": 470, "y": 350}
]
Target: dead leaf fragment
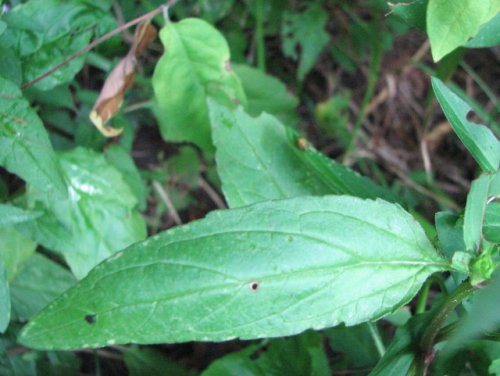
[{"x": 119, "y": 81}]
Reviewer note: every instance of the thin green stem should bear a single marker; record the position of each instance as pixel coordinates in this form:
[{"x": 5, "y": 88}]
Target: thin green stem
[
  {"x": 377, "y": 338},
  {"x": 424, "y": 292},
  {"x": 376, "y": 59},
  {"x": 259, "y": 34}
]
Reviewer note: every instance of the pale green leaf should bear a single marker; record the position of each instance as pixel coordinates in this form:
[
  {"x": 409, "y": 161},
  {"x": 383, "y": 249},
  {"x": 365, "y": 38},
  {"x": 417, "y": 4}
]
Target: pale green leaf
[
  {"x": 10, "y": 215},
  {"x": 15, "y": 248},
  {"x": 272, "y": 269},
  {"x": 451, "y": 23},
  {"x": 259, "y": 159},
  {"x": 478, "y": 139},
  {"x": 491, "y": 228},
  {"x": 39, "y": 282},
  {"x": 196, "y": 63},
  {"x": 100, "y": 214},
  {"x": 25, "y": 149},
  {"x": 488, "y": 34},
  {"x": 306, "y": 30},
  {"x": 266, "y": 93},
  {"x": 4, "y": 299},
  {"x": 474, "y": 212}
]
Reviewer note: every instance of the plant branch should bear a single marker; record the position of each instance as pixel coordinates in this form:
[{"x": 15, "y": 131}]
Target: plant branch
[
  {"x": 259, "y": 34},
  {"x": 98, "y": 41},
  {"x": 168, "y": 202}
]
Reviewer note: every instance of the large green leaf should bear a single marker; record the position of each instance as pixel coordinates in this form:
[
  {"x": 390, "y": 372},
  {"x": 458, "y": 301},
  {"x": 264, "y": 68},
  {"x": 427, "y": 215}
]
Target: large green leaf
[
  {"x": 272, "y": 269},
  {"x": 39, "y": 282},
  {"x": 452, "y": 23},
  {"x": 4, "y": 298},
  {"x": 258, "y": 159},
  {"x": 306, "y": 30},
  {"x": 301, "y": 355},
  {"x": 488, "y": 34},
  {"x": 25, "y": 149},
  {"x": 195, "y": 63},
  {"x": 10, "y": 215},
  {"x": 479, "y": 140},
  {"x": 15, "y": 248},
  {"x": 491, "y": 228},
  {"x": 45, "y": 33},
  {"x": 100, "y": 214},
  {"x": 266, "y": 93}
]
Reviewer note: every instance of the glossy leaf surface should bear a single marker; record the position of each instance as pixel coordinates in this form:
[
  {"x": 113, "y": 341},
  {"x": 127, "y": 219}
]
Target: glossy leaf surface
[
  {"x": 196, "y": 62},
  {"x": 259, "y": 159},
  {"x": 478, "y": 139},
  {"x": 272, "y": 269},
  {"x": 25, "y": 149},
  {"x": 100, "y": 215}
]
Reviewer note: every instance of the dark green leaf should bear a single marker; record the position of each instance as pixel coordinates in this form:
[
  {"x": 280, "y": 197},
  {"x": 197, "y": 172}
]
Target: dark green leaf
[
  {"x": 306, "y": 30},
  {"x": 196, "y": 62},
  {"x": 148, "y": 362},
  {"x": 4, "y": 298},
  {"x": 271, "y": 269},
  {"x": 99, "y": 218},
  {"x": 449, "y": 228},
  {"x": 25, "y": 148},
  {"x": 479, "y": 140},
  {"x": 10, "y": 66},
  {"x": 412, "y": 12},
  {"x": 491, "y": 227},
  {"x": 301, "y": 355},
  {"x": 450, "y": 23},
  {"x": 266, "y": 93},
  {"x": 38, "y": 283},
  {"x": 259, "y": 159},
  {"x": 14, "y": 249}
]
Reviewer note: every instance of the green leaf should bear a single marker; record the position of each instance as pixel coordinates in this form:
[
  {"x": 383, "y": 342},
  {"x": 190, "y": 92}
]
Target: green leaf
[
  {"x": 196, "y": 63},
  {"x": 38, "y": 283},
  {"x": 25, "y": 149},
  {"x": 488, "y": 34},
  {"x": 306, "y": 30},
  {"x": 300, "y": 355},
  {"x": 146, "y": 361},
  {"x": 491, "y": 226},
  {"x": 45, "y": 33},
  {"x": 10, "y": 215},
  {"x": 15, "y": 248},
  {"x": 474, "y": 212},
  {"x": 451, "y": 23},
  {"x": 413, "y": 13},
  {"x": 100, "y": 216},
  {"x": 4, "y": 298},
  {"x": 450, "y": 233},
  {"x": 479, "y": 140},
  {"x": 266, "y": 93},
  {"x": 272, "y": 269},
  {"x": 258, "y": 159},
  {"x": 118, "y": 156}
]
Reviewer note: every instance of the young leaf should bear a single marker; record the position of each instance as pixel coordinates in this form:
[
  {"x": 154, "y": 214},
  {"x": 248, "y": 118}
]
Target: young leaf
[
  {"x": 479, "y": 140},
  {"x": 266, "y": 93},
  {"x": 272, "y": 269},
  {"x": 10, "y": 215},
  {"x": 258, "y": 160},
  {"x": 474, "y": 212},
  {"x": 100, "y": 213},
  {"x": 120, "y": 80},
  {"x": 195, "y": 63},
  {"x": 4, "y": 299},
  {"x": 306, "y": 30},
  {"x": 39, "y": 282},
  {"x": 25, "y": 149},
  {"x": 451, "y": 23},
  {"x": 14, "y": 250}
]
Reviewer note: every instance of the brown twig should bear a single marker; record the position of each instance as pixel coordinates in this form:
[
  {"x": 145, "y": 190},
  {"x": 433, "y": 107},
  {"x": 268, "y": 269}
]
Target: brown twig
[{"x": 98, "y": 41}]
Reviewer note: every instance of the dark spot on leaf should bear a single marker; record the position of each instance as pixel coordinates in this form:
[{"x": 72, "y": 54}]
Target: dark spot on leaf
[
  {"x": 90, "y": 319},
  {"x": 472, "y": 117},
  {"x": 254, "y": 285}
]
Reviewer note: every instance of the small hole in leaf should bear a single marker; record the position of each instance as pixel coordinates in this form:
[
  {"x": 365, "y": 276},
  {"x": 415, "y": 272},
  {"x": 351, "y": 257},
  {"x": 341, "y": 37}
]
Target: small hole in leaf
[
  {"x": 254, "y": 285},
  {"x": 472, "y": 117},
  {"x": 90, "y": 319}
]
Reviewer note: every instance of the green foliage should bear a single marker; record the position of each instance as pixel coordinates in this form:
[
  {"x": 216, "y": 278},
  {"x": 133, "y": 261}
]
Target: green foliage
[{"x": 5, "y": 298}]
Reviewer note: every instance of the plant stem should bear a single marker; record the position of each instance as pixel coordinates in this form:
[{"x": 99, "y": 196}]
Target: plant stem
[
  {"x": 377, "y": 339},
  {"x": 376, "y": 59},
  {"x": 168, "y": 202},
  {"x": 424, "y": 292},
  {"x": 99, "y": 41},
  {"x": 259, "y": 34}
]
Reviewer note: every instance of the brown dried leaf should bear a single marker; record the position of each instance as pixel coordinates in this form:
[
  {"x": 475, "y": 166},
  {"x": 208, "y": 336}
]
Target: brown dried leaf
[{"x": 119, "y": 81}]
